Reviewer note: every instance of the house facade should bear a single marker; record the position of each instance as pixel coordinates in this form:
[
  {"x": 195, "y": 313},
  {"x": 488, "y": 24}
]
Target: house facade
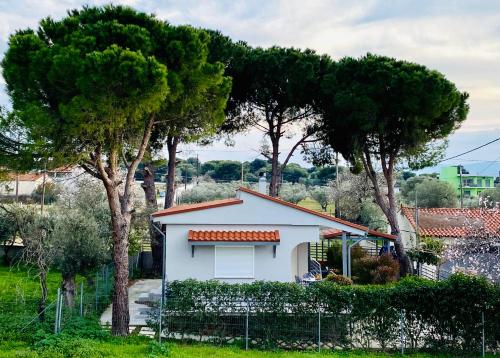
[
  {"x": 247, "y": 238},
  {"x": 460, "y": 226},
  {"x": 462, "y": 181}
]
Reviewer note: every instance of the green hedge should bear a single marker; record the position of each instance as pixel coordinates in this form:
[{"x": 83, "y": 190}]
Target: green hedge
[{"x": 436, "y": 315}]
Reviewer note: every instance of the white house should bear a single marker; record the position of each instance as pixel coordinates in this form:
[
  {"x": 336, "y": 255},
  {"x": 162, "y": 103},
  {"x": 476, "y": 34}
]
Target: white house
[
  {"x": 251, "y": 237},
  {"x": 26, "y": 184}
]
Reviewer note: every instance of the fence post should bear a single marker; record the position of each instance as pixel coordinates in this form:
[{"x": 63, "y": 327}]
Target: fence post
[
  {"x": 96, "y": 291},
  {"x": 319, "y": 330},
  {"x": 401, "y": 333},
  {"x": 483, "y": 339},
  {"x": 59, "y": 316},
  {"x": 81, "y": 299},
  {"x": 57, "y": 310},
  {"x": 246, "y": 325}
]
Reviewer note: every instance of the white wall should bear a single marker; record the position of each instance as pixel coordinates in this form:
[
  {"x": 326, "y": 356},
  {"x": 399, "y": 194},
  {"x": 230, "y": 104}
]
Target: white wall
[
  {"x": 25, "y": 187},
  {"x": 180, "y": 265},
  {"x": 254, "y": 210},
  {"x": 408, "y": 235}
]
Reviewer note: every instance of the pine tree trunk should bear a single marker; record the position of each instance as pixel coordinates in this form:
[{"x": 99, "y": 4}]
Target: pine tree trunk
[
  {"x": 275, "y": 168},
  {"x": 120, "y": 311},
  {"x": 120, "y": 222},
  {"x": 172, "y": 143},
  {"x": 149, "y": 188},
  {"x": 68, "y": 289}
]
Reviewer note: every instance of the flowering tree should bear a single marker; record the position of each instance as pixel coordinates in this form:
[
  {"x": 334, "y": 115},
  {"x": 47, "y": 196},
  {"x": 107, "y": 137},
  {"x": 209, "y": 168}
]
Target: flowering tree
[{"x": 477, "y": 252}]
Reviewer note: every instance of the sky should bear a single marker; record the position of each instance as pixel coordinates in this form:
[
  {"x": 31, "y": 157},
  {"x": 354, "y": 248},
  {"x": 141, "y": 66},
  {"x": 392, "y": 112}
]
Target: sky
[{"x": 461, "y": 39}]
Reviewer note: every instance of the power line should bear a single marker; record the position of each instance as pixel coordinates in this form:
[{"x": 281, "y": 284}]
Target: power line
[
  {"x": 489, "y": 165},
  {"x": 471, "y": 150}
]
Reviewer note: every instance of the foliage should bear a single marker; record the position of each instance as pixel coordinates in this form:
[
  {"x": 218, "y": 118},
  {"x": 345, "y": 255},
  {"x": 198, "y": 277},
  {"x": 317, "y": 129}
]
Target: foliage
[
  {"x": 338, "y": 279},
  {"x": 429, "y": 193},
  {"x": 375, "y": 269},
  {"x": 294, "y": 173},
  {"x": 366, "y": 316},
  {"x": 206, "y": 191},
  {"x": 133, "y": 347},
  {"x": 322, "y": 194},
  {"x": 293, "y": 193},
  {"x": 273, "y": 91},
  {"x": 8, "y": 231},
  {"x": 86, "y": 89},
  {"x": 80, "y": 247},
  {"x": 52, "y": 192},
  {"x": 334, "y": 256},
  {"x": 490, "y": 198},
  {"x": 379, "y": 112},
  {"x": 429, "y": 252},
  {"x": 372, "y": 216}
]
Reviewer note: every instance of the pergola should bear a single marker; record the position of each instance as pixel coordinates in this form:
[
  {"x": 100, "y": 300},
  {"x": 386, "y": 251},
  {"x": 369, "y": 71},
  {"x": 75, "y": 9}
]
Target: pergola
[{"x": 349, "y": 240}]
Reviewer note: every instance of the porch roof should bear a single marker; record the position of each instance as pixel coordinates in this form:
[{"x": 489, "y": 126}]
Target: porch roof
[{"x": 333, "y": 233}]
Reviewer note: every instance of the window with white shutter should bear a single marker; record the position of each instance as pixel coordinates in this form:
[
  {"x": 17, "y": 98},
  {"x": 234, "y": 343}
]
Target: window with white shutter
[{"x": 234, "y": 262}]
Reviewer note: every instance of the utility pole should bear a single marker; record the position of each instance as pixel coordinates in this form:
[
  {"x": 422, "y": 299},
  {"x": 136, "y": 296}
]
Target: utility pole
[
  {"x": 17, "y": 186},
  {"x": 241, "y": 173},
  {"x": 461, "y": 188},
  {"x": 43, "y": 185},
  {"x": 197, "y": 169},
  {"x": 337, "y": 211},
  {"x": 416, "y": 217}
]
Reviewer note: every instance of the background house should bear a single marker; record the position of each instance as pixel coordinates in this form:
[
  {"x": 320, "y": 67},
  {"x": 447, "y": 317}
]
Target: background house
[
  {"x": 471, "y": 185},
  {"x": 455, "y": 226},
  {"x": 25, "y": 183}
]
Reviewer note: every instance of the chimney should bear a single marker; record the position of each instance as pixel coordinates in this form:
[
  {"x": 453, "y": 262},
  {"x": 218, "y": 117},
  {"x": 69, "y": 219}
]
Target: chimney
[{"x": 262, "y": 183}]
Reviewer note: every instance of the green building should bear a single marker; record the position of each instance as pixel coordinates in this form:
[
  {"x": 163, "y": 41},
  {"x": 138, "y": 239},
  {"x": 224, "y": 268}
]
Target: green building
[{"x": 472, "y": 185}]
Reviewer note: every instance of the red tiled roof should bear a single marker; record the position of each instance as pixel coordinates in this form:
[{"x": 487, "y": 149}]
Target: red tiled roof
[
  {"x": 234, "y": 236},
  {"x": 198, "y": 206},
  {"x": 453, "y": 222},
  {"x": 331, "y": 233},
  {"x": 309, "y": 211},
  {"x": 26, "y": 176}
]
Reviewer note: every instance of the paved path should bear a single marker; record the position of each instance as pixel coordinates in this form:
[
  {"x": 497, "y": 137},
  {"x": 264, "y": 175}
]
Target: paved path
[{"x": 137, "y": 311}]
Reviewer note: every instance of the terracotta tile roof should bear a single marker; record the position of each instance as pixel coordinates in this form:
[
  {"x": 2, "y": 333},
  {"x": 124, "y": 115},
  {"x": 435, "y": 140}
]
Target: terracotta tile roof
[
  {"x": 453, "y": 222},
  {"x": 234, "y": 236},
  {"x": 26, "y": 176},
  {"x": 309, "y": 211},
  {"x": 331, "y": 233},
  {"x": 198, "y": 206}
]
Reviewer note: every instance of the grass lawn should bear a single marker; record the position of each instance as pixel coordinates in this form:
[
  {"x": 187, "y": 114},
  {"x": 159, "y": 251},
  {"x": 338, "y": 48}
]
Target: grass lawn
[
  {"x": 19, "y": 283},
  {"x": 312, "y": 204},
  {"x": 143, "y": 347}
]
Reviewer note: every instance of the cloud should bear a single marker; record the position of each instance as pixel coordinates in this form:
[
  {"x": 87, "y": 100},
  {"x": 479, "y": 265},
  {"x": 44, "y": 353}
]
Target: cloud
[{"x": 458, "y": 38}]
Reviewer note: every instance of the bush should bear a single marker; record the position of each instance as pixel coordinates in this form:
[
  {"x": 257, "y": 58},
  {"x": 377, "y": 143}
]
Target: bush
[
  {"x": 338, "y": 279},
  {"x": 334, "y": 256},
  {"x": 207, "y": 191},
  {"x": 52, "y": 192},
  {"x": 438, "y": 315},
  {"x": 375, "y": 269}
]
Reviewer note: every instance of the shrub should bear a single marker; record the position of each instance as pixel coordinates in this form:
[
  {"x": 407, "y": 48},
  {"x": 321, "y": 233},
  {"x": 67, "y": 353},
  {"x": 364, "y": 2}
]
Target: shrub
[
  {"x": 375, "y": 269},
  {"x": 334, "y": 255},
  {"x": 438, "y": 315},
  {"x": 338, "y": 279}
]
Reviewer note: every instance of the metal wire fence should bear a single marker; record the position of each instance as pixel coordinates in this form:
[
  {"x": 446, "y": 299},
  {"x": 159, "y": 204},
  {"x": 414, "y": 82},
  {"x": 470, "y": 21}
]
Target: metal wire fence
[
  {"x": 21, "y": 318},
  {"x": 242, "y": 323}
]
